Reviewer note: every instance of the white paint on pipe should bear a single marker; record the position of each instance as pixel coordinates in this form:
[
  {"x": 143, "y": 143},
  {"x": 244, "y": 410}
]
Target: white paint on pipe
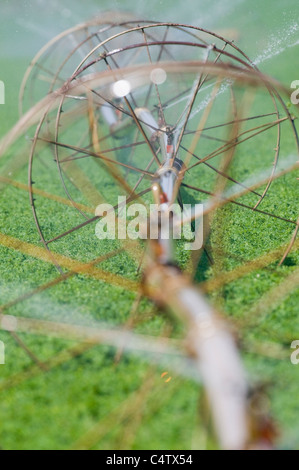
[{"x": 221, "y": 370}]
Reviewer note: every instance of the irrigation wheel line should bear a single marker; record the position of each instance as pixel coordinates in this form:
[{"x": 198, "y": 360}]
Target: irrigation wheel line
[{"x": 163, "y": 124}]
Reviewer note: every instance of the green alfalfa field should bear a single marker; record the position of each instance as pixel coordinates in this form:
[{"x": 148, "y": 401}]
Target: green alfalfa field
[{"x": 91, "y": 398}]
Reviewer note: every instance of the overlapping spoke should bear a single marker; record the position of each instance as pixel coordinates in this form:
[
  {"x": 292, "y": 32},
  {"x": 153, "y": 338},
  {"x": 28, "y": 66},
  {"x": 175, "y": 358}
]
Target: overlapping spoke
[{"x": 129, "y": 100}]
